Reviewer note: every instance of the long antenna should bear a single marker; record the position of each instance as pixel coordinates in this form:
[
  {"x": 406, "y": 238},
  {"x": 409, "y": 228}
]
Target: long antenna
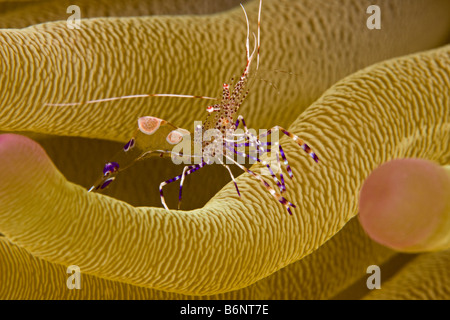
[
  {"x": 130, "y": 97},
  {"x": 259, "y": 28}
]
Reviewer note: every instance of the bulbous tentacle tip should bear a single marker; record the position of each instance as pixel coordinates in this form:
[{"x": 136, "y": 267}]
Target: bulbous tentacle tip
[
  {"x": 24, "y": 165},
  {"x": 405, "y": 205},
  {"x": 8, "y": 140},
  {"x": 12, "y": 143},
  {"x": 18, "y": 152}
]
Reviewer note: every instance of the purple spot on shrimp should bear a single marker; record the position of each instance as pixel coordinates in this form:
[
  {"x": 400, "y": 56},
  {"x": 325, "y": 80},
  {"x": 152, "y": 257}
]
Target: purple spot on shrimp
[
  {"x": 306, "y": 148},
  {"x": 106, "y": 183},
  {"x": 237, "y": 189},
  {"x": 179, "y": 194},
  {"x": 110, "y": 167},
  {"x": 313, "y": 155},
  {"x": 129, "y": 145}
]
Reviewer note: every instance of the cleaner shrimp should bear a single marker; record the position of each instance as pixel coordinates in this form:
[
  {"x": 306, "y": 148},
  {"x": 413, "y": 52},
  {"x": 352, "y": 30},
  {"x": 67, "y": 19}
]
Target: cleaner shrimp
[{"x": 157, "y": 137}]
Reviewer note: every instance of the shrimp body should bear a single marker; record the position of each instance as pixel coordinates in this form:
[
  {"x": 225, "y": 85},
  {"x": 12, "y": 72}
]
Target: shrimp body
[{"x": 157, "y": 137}]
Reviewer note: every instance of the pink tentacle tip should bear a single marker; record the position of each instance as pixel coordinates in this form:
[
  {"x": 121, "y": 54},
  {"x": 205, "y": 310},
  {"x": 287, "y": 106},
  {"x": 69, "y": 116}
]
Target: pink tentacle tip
[
  {"x": 21, "y": 159},
  {"x": 403, "y": 203},
  {"x": 13, "y": 145}
]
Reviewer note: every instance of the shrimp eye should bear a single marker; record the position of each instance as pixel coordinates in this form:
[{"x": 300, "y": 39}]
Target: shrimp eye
[{"x": 110, "y": 167}]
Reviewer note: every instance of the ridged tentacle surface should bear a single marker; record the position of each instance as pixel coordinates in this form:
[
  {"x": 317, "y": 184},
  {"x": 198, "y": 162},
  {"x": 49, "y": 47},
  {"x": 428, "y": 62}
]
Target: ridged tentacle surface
[
  {"x": 322, "y": 275},
  {"x": 321, "y": 41},
  {"x": 21, "y": 14},
  {"x": 424, "y": 278},
  {"x": 398, "y": 108}
]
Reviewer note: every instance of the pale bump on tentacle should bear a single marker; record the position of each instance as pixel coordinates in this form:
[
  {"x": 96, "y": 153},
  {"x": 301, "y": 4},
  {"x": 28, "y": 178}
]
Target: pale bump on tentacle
[
  {"x": 176, "y": 135},
  {"x": 149, "y": 125}
]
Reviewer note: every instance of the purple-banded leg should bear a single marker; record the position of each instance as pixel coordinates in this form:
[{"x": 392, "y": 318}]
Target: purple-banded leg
[
  {"x": 288, "y": 167},
  {"x": 281, "y": 185},
  {"x": 265, "y": 144},
  {"x": 231, "y": 174},
  {"x": 249, "y": 144},
  {"x": 163, "y": 201},
  {"x": 232, "y": 178},
  {"x": 272, "y": 191},
  {"x": 294, "y": 137},
  {"x": 240, "y": 137},
  {"x": 281, "y": 173},
  {"x": 183, "y": 176},
  {"x": 252, "y": 138}
]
